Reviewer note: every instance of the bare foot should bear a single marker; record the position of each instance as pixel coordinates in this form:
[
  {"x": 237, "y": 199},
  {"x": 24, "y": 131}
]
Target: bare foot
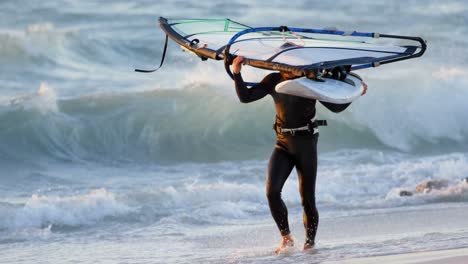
[
  {"x": 286, "y": 242},
  {"x": 308, "y": 246}
]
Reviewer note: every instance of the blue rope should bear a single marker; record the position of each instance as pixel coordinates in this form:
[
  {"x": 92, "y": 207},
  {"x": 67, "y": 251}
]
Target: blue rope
[{"x": 303, "y": 30}]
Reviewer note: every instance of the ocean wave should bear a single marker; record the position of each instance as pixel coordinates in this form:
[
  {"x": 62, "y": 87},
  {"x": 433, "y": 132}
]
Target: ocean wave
[
  {"x": 46, "y": 51},
  {"x": 346, "y": 181},
  {"x": 369, "y": 179},
  {"x": 161, "y": 125},
  {"x": 46, "y": 211},
  {"x": 408, "y": 106},
  {"x": 223, "y": 193},
  {"x": 199, "y": 199},
  {"x": 203, "y": 123},
  {"x": 456, "y": 192},
  {"x": 37, "y": 43}
]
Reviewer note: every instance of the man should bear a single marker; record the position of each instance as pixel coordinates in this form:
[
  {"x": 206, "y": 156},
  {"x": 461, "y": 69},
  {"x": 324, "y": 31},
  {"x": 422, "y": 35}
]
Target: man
[{"x": 294, "y": 148}]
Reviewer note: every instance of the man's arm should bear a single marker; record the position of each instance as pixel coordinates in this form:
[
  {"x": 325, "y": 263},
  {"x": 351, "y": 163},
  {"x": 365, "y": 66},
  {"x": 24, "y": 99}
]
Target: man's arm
[{"x": 245, "y": 94}]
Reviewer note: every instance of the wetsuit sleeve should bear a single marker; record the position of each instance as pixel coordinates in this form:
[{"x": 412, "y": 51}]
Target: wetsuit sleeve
[
  {"x": 335, "y": 108},
  {"x": 256, "y": 92}
]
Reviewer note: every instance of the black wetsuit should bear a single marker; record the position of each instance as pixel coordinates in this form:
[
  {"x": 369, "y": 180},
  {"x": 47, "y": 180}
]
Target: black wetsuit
[{"x": 298, "y": 150}]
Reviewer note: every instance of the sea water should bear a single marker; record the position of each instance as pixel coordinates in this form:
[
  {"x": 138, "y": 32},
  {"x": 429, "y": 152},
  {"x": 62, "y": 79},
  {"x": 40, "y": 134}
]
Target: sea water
[{"x": 99, "y": 164}]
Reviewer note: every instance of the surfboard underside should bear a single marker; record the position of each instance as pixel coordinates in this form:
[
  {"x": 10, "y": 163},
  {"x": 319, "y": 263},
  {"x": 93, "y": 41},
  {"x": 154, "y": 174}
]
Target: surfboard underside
[{"x": 330, "y": 90}]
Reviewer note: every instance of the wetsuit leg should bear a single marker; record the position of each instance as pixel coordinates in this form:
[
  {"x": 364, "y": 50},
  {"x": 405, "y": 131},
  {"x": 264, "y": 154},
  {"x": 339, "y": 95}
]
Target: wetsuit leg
[
  {"x": 306, "y": 166},
  {"x": 279, "y": 168}
]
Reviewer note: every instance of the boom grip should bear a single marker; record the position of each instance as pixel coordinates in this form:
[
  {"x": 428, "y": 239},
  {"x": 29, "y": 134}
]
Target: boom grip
[{"x": 298, "y": 71}]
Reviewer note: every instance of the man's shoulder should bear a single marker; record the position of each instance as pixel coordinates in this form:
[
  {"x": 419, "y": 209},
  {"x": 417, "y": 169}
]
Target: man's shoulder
[{"x": 272, "y": 78}]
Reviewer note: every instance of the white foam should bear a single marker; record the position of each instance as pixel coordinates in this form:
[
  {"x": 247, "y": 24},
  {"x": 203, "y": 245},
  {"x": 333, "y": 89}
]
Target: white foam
[
  {"x": 359, "y": 183},
  {"x": 444, "y": 8},
  {"x": 41, "y": 210},
  {"x": 363, "y": 179},
  {"x": 47, "y": 99},
  {"x": 411, "y": 109},
  {"x": 450, "y": 72},
  {"x": 214, "y": 202},
  {"x": 44, "y": 100},
  {"x": 39, "y": 28}
]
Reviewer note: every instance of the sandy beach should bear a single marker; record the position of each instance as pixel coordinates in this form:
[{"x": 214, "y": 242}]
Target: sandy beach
[{"x": 453, "y": 256}]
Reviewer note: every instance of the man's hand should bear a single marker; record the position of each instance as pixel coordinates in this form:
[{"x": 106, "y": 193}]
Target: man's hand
[
  {"x": 237, "y": 64},
  {"x": 365, "y": 88}
]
